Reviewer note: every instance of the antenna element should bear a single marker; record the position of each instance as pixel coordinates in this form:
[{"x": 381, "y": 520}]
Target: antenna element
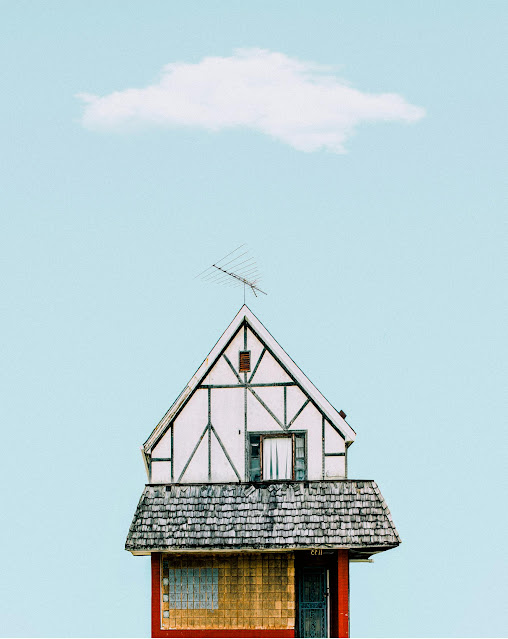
[{"x": 239, "y": 270}]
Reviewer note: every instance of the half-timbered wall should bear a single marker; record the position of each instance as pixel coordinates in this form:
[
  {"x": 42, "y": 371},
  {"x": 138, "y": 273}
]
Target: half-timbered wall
[{"x": 209, "y": 439}]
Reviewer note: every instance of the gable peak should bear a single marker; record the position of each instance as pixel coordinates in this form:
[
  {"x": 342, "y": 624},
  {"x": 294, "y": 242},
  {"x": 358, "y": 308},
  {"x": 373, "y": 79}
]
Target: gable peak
[{"x": 245, "y": 315}]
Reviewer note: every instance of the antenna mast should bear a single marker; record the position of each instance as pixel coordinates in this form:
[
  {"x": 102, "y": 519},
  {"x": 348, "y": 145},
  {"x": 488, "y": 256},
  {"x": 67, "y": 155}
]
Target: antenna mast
[{"x": 240, "y": 270}]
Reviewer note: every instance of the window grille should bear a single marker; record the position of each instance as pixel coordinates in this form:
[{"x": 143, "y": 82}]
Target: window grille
[
  {"x": 299, "y": 444},
  {"x": 255, "y": 458}
]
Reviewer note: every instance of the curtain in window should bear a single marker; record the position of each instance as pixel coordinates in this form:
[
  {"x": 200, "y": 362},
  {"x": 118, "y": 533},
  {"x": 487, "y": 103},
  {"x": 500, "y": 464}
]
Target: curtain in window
[{"x": 277, "y": 458}]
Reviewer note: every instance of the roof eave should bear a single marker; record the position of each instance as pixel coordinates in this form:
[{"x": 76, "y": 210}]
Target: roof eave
[{"x": 357, "y": 553}]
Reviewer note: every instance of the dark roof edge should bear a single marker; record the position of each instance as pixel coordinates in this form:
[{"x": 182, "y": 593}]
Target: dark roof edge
[
  {"x": 209, "y": 549},
  {"x": 386, "y": 509},
  {"x": 262, "y": 483}
]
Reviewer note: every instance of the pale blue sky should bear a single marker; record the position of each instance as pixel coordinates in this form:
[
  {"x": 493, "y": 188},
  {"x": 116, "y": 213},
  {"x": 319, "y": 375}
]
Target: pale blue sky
[{"x": 384, "y": 268}]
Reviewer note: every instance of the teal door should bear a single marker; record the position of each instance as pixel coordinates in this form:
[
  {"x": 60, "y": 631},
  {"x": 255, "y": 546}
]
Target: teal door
[{"x": 312, "y": 602}]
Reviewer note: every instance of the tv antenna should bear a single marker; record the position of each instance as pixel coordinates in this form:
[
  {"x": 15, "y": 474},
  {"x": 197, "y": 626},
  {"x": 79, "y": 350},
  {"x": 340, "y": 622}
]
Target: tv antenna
[{"x": 235, "y": 269}]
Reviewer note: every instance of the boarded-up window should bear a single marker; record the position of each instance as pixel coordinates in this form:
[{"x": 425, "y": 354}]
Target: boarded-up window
[
  {"x": 241, "y": 590},
  {"x": 192, "y": 588},
  {"x": 244, "y": 366}
]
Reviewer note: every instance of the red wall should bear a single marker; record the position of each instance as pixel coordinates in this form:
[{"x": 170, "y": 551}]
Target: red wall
[
  {"x": 343, "y": 593},
  {"x": 156, "y": 595}
]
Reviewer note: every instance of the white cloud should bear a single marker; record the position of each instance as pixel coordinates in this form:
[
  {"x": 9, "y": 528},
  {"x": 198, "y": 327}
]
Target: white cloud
[{"x": 300, "y": 103}]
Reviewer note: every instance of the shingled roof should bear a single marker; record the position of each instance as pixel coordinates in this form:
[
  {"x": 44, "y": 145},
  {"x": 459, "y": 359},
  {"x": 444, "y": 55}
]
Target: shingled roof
[{"x": 328, "y": 514}]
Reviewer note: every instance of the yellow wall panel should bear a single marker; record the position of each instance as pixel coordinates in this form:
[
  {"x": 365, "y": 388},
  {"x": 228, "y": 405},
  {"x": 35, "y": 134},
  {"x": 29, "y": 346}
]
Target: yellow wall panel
[{"x": 237, "y": 590}]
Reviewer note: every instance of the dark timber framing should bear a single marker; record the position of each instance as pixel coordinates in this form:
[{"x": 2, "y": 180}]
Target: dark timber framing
[
  {"x": 172, "y": 454},
  {"x": 265, "y": 348},
  {"x": 232, "y": 368},
  {"x": 285, "y": 407},
  {"x": 289, "y": 374},
  {"x": 245, "y": 435},
  {"x": 322, "y": 447},
  {"x": 225, "y": 451},
  {"x": 248, "y": 386},
  {"x": 209, "y": 428},
  {"x": 257, "y": 364},
  {"x": 209, "y": 434},
  {"x": 297, "y": 414},
  {"x": 267, "y": 408}
]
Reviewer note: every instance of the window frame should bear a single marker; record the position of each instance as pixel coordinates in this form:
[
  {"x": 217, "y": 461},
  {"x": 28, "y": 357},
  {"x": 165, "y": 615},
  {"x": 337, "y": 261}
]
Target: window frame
[{"x": 273, "y": 435}]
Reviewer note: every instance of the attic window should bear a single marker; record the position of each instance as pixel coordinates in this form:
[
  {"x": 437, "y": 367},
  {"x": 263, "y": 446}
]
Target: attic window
[
  {"x": 274, "y": 457},
  {"x": 244, "y": 365}
]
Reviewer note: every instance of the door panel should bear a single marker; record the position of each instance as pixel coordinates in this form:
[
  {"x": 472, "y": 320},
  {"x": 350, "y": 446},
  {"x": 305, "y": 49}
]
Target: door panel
[{"x": 312, "y": 602}]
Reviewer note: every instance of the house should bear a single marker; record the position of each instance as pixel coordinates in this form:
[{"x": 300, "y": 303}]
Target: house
[{"x": 248, "y": 514}]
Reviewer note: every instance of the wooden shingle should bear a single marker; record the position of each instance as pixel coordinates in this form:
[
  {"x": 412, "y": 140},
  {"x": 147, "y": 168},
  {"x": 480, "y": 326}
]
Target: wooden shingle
[{"x": 329, "y": 514}]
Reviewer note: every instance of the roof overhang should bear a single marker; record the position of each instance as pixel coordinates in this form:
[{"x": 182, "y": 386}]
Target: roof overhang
[
  {"x": 258, "y": 517},
  {"x": 355, "y": 554}
]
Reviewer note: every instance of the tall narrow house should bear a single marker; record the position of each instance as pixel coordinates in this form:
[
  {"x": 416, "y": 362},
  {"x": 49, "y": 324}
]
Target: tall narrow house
[{"x": 248, "y": 514}]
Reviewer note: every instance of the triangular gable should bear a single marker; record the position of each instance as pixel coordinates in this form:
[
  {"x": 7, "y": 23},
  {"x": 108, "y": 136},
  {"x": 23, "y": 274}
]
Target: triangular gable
[{"x": 245, "y": 315}]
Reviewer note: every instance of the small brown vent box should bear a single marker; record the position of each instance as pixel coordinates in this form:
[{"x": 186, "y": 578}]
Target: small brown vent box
[{"x": 244, "y": 366}]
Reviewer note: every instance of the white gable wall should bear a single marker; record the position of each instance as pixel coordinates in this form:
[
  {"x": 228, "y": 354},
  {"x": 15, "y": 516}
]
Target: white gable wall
[
  {"x": 234, "y": 412},
  {"x": 160, "y": 471},
  {"x": 269, "y": 371},
  {"x": 187, "y": 429},
  {"x": 163, "y": 448},
  {"x": 311, "y": 421},
  {"x": 246, "y": 316},
  {"x": 221, "y": 373},
  {"x": 295, "y": 400},
  {"x": 228, "y": 421},
  {"x": 197, "y": 469}
]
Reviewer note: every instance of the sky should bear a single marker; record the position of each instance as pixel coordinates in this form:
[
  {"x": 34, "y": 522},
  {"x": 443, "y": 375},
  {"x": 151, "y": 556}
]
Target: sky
[{"x": 359, "y": 149}]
